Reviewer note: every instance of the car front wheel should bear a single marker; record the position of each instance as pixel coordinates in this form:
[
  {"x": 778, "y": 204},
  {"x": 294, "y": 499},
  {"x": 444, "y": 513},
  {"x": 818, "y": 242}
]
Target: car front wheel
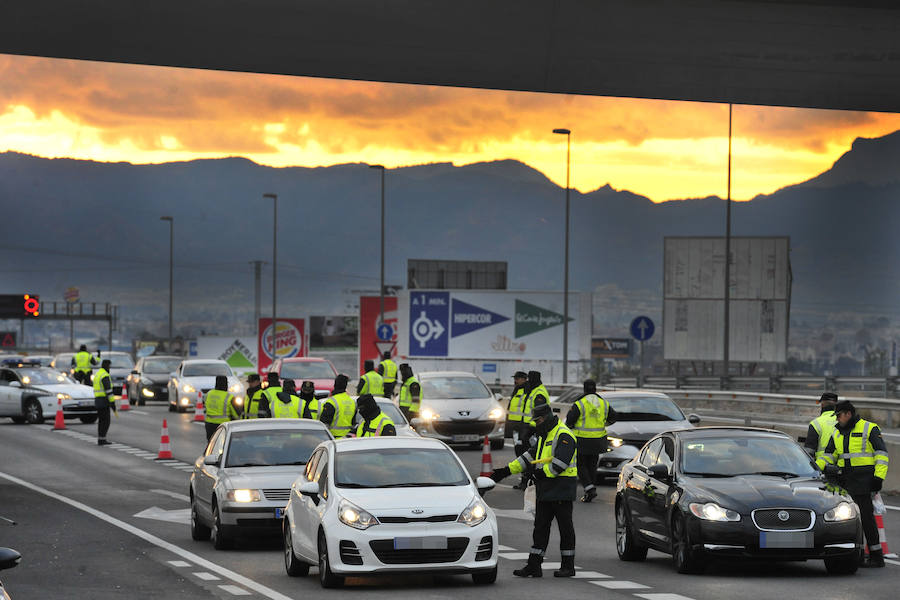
[
  {"x": 626, "y": 546},
  {"x": 34, "y": 415},
  {"x": 326, "y": 577},
  {"x": 293, "y": 565},
  {"x": 686, "y": 559},
  {"x": 220, "y": 538}
]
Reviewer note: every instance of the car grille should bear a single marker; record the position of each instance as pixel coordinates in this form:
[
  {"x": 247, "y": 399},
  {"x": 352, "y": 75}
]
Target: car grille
[
  {"x": 432, "y": 519},
  {"x": 463, "y": 427},
  {"x": 384, "y": 551},
  {"x": 798, "y": 519},
  {"x": 277, "y": 495},
  {"x": 71, "y": 409}
]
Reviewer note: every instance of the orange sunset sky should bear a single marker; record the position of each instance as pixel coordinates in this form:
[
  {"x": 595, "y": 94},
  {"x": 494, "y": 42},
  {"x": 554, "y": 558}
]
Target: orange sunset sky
[{"x": 661, "y": 149}]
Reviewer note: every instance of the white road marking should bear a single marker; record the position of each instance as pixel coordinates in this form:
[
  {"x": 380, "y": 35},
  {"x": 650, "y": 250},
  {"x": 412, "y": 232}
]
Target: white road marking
[
  {"x": 663, "y": 597},
  {"x": 206, "y": 576},
  {"x": 169, "y": 461},
  {"x": 175, "y": 495},
  {"x": 503, "y": 548},
  {"x": 157, "y": 541},
  {"x": 179, "y": 563},
  {"x": 892, "y": 507},
  {"x": 621, "y": 585},
  {"x": 233, "y": 589},
  {"x": 893, "y": 562},
  {"x": 139, "y": 412},
  {"x": 512, "y": 513},
  {"x": 513, "y": 555},
  {"x": 179, "y": 515},
  {"x": 591, "y": 575}
]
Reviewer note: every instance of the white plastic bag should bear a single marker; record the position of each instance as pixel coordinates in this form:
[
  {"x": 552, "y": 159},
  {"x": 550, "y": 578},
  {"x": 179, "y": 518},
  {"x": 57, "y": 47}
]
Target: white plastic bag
[
  {"x": 877, "y": 503},
  {"x": 530, "y": 496}
]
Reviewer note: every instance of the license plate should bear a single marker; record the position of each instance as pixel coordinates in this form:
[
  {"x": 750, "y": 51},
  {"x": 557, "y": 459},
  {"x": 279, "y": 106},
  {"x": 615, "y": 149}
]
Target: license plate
[
  {"x": 279, "y": 513},
  {"x": 432, "y": 542},
  {"x": 467, "y": 437},
  {"x": 86, "y": 403},
  {"x": 786, "y": 539}
]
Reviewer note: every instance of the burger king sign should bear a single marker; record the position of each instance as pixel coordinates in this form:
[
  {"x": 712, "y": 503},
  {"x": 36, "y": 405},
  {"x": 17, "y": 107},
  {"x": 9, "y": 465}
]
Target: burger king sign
[{"x": 289, "y": 340}]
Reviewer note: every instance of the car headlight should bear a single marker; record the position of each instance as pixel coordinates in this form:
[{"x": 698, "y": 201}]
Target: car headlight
[
  {"x": 428, "y": 415},
  {"x": 842, "y": 512},
  {"x": 615, "y": 442},
  {"x": 61, "y": 378},
  {"x": 496, "y": 413},
  {"x": 235, "y": 388},
  {"x": 352, "y": 515},
  {"x": 239, "y": 400},
  {"x": 188, "y": 388},
  {"x": 713, "y": 512},
  {"x": 147, "y": 393},
  {"x": 185, "y": 401},
  {"x": 242, "y": 495},
  {"x": 63, "y": 397},
  {"x": 475, "y": 513},
  {"x": 26, "y": 379}
]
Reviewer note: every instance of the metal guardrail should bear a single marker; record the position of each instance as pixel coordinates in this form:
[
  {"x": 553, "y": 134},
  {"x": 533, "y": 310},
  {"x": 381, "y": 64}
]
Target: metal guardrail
[{"x": 882, "y": 387}]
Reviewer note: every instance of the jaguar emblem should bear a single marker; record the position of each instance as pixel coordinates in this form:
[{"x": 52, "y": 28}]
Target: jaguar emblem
[
  {"x": 783, "y": 515},
  {"x": 464, "y": 413},
  {"x": 417, "y": 511}
]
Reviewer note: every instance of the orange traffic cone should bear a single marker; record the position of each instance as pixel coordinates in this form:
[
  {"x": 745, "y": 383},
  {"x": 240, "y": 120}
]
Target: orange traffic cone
[
  {"x": 123, "y": 399},
  {"x": 59, "y": 422},
  {"x": 199, "y": 411},
  {"x": 879, "y": 521},
  {"x": 165, "y": 451},
  {"x": 487, "y": 466}
]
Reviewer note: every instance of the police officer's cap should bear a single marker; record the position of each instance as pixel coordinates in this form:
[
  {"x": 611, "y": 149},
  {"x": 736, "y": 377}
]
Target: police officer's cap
[
  {"x": 106, "y": 364},
  {"x": 541, "y": 410},
  {"x": 386, "y": 355},
  {"x": 307, "y": 387},
  {"x": 369, "y": 365},
  {"x": 828, "y": 398},
  {"x": 520, "y": 375},
  {"x": 252, "y": 377},
  {"x": 844, "y": 406},
  {"x": 272, "y": 377},
  {"x": 82, "y": 348}
]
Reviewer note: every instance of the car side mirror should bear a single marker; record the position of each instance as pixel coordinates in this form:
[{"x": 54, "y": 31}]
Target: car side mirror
[
  {"x": 693, "y": 419},
  {"x": 9, "y": 558},
  {"x": 660, "y": 472},
  {"x": 211, "y": 460},
  {"x": 310, "y": 489},
  {"x": 15, "y": 384},
  {"x": 133, "y": 372},
  {"x": 484, "y": 485}
]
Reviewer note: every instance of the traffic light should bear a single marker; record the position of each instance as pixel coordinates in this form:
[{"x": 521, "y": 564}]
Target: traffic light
[{"x": 19, "y": 306}]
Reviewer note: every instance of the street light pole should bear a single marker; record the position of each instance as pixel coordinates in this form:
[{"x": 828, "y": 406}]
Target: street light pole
[
  {"x": 727, "y": 341},
  {"x": 381, "y": 292},
  {"x": 568, "y": 135},
  {"x": 274, "y": 198},
  {"x": 171, "y": 221}
]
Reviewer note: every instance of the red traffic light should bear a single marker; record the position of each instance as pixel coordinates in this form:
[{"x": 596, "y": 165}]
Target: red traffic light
[{"x": 31, "y": 305}]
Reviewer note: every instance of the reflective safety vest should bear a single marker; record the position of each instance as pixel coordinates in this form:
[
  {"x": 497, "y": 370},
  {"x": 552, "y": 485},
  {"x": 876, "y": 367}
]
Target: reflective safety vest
[
  {"x": 251, "y": 410},
  {"x": 406, "y": 398},
  {"x": 271, "y": 394},
  {"x": 99, "y": 390},
  {"x": 375, "y": 427},
  {"x": 286, "y": 410},
  {"x": 218, "y": 406},
  {"x": 514, "y": 411},
  {"x": 824, "y": 425},
  {"x": 860, "y": 452},
  {"x": 390, "y": 370},
  {"x": 344, "y": 407},
  {"x": 546, "y": 455},
  {"x": 529, "y": 402},
  {"x": 592, "y": 421},
  {"x": 312, "y": 405},
  {"x": 374, "y": 384},
  {"x": 84, "y": 362}
]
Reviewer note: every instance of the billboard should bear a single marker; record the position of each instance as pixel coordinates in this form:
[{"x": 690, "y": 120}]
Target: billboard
[
  {"x": 239, "y": 352},
  {"x": 694, "y": 298},
  {"x": 610, "y": 348},
  {"x": 289, "y": 341},
  {"x": 493, "y": 324},
  {"x": 333, "y": 332},
  {"x": 372, "y": 339}
]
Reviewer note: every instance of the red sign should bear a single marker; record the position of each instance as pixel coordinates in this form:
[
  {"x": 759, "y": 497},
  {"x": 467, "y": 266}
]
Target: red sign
[
  {"x": 369, "y": 317},
  {"x": 7, "y": 339},
  {"x": 290, "y": 341}
]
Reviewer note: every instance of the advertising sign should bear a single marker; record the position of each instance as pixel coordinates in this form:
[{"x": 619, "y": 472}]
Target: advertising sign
[
  {"x": 610, "y": 348},
  {"x": 240, "y": 353},
  {"x": 333, "y": 331},
  {"x": 494, "y": 324},
  {"x": 288, "y": 341},
  {"x": 371, "y": 337}
]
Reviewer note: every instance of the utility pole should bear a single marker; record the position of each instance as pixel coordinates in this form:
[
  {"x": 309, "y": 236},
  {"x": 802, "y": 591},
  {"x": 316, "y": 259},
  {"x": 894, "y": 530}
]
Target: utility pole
[
  {"x": 728, "y": 259},
  {"x": 257, "y": 291}
]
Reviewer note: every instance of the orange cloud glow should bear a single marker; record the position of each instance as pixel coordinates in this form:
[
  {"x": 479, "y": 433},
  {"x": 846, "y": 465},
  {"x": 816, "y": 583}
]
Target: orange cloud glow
[{"x": 662, "y": 149}]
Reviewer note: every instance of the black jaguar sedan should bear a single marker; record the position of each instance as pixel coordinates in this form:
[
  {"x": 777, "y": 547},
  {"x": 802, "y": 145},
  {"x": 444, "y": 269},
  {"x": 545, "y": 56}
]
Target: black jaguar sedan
[{"x": 733, "y": 492}]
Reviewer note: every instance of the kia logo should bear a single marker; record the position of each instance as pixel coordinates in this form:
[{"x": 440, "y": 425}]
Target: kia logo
[
  {"x": 464, "y": 413},
  {"x": 417, "y": 511},
  {"x": 783, "y": 515}
]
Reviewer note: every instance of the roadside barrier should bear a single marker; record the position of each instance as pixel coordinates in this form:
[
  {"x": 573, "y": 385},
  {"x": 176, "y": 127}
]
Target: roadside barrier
[{"x": 165, "y": 450}]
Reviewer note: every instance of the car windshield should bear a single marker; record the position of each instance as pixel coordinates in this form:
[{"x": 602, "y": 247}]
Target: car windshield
[
  {"x": 205, "y": 370},
  {"x": 398, "y": 467},
  {"x": 42, "y": 376},
  {"x": 569, "y": 396},
  {"x": 454, "y": 388},
  {"x": 645, "y": 408},
  {"x": 307, "y": 370},
  {"x": 63, "y": 361},
  {"x": 118, "y": 361},
  {"x": 265, "y": 448},
  {"x": 160, "y": 365},
  {"x": 393, "y": 413},
  {"x": 744, "y": 455}
]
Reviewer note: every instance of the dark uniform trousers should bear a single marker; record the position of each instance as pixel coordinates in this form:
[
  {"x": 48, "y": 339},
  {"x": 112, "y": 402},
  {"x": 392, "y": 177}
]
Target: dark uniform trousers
[
  {"x": 589, "y": 452},
  {"x": 389, "y": 389},
  {"x": 867, "y": 514},
  {"x": 545, "y": 512},
  {"x": 102, "y": 406}
]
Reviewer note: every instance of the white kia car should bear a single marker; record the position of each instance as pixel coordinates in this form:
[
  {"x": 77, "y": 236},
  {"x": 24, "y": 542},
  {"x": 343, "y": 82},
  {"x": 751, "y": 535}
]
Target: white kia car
[
  {"x": 243, "y": 479},
  {"x": 193, "y": 378},
  {"x": 388, "y": 407},
  {"x": 369, "y": 506}
]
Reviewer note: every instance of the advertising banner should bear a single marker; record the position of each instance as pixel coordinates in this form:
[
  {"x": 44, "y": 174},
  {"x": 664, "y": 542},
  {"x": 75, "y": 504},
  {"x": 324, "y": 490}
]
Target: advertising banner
[
  {"x": 494, "y": 324},
  {"x": 610, "y": 348},
  {"x": 374, "y": 340},
  {"x": 289, "y": 341},
  {"x": 239, "y": 352},
  {"x": 333, "y": 332}
]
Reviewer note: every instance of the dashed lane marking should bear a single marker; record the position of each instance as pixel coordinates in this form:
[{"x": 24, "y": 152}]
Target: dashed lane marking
[
  {"x": 663, "y": 597},
  {"x": 206, "y": 576},
  {"x": 159, "y": 542},
  {"x": 178, "y": 563},
  {"x": 513, "y": 555},
  {"x": 591, "y": 575},
  {"x": 621, "y": 585},
  {"x": 139, "y": 412},
  {"x": 175, "y": 495},
  {"x": 503, "y": 548}
]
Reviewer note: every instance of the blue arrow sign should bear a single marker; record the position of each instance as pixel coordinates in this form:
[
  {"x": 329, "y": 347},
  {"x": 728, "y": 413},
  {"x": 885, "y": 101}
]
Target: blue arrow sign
[
  {"x": 642, "y": 328},
  {"x": 385, "y": 332}
]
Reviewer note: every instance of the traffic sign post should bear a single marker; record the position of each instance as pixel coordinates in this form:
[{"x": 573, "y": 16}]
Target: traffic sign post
[{"x": 642, "y": 329}]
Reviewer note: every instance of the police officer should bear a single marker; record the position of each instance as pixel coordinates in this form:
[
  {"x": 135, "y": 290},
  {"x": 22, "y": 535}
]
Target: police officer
[
  {"x": 822, "y": 427},
  {"x": 309, "y": 404},
  {"x": 410, "y": 393},
  {"x": 339, "y": 409},
  {"x": 370, "y": 382},
  {"x": 254, "y": 391},
  {"x": 219, "y": 406},
  {"x": 515, "y": 414},
  {"x": 552, "y": 463},
  {"x": 103, "y": 401},
  {"x": 388, "y": 371},
  {"x": 859, "y": 452},
  {"x": 83, "y": 363},
  {"x": 268, "y": 396},
  {"x": 588, "y": 419},
  {"x": 533, "y": 393},
  {"x": 374, "y": 421},
  {"x": 286, "y": 405}
]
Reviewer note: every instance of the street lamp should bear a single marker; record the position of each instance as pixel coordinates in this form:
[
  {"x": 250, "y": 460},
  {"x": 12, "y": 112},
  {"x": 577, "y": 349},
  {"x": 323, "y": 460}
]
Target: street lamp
[
  {"x": 726, "y": 355},
  {"x": 171, "y": 221},
  {"x": 568, "y": 135},
  {"x": 381, "y": 292},
  {"x": 274, "y": 197}
]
